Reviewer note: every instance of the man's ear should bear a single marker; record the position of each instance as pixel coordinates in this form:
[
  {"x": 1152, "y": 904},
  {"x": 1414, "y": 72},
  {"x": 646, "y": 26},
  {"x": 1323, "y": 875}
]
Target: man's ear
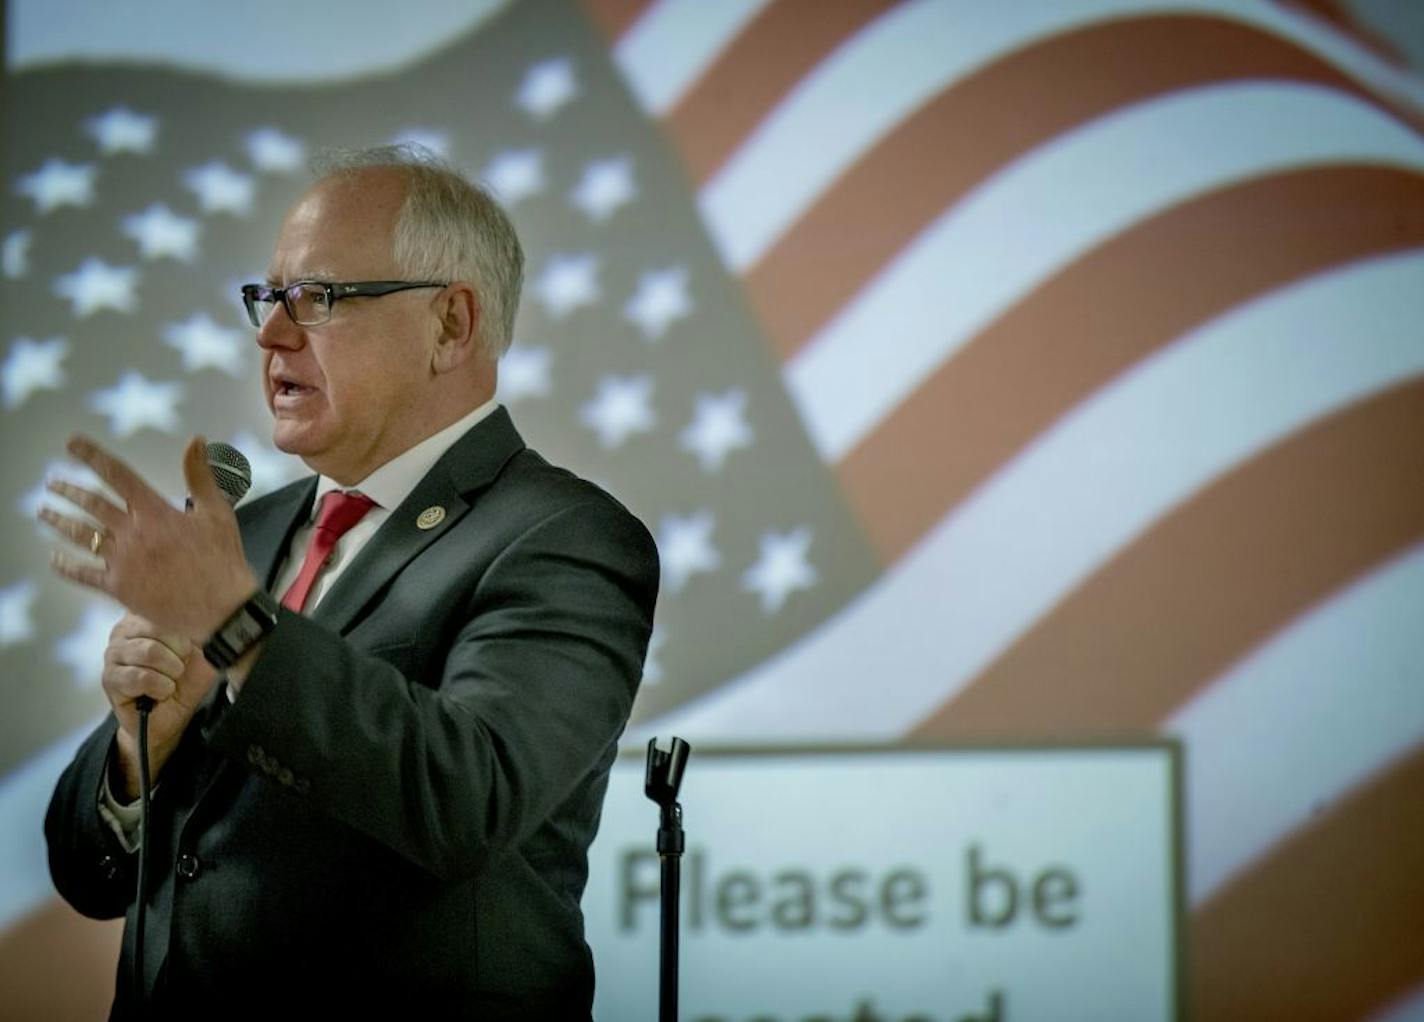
[{"x": 459, "y": 337}]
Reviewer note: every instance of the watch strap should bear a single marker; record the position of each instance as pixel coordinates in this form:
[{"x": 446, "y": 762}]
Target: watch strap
[{"x": 243, "y": 629}]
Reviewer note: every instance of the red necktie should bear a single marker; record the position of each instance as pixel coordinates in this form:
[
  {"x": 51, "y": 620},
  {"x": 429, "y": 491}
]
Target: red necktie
[{"x": 339, "y": 512}]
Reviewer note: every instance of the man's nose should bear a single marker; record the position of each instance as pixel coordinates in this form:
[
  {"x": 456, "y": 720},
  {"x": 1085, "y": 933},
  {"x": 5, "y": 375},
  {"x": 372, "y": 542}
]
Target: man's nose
[{"x": 278, "y": 331}]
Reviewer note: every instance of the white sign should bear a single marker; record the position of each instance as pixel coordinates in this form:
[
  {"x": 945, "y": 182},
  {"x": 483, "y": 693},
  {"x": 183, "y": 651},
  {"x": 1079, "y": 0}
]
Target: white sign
[{"x": 945, "y": 885}]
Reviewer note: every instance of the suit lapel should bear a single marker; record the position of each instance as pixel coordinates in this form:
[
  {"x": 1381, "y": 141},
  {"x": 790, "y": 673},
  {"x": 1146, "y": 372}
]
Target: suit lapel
[{"x": 445, "y": 493}]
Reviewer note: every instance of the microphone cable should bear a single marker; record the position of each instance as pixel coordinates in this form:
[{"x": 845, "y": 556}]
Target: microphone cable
[
  {"x": 145, "y": 706},
  {"x": 233, "y": 474}
]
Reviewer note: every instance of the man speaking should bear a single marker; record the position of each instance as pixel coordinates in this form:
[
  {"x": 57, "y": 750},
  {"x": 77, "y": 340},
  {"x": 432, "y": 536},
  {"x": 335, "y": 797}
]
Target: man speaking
[{"x": 385, "y": 699}]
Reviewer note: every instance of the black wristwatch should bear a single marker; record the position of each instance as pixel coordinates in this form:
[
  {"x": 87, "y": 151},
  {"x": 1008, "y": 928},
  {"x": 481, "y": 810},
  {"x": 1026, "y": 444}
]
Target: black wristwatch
[{"x": 243, "y": 630}]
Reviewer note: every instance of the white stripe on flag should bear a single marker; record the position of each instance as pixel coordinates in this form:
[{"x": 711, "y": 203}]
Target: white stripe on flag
[
  {"x": 986, "y": 573},
  {"x": 1022, "y": 225},
  {"x": 908, "y": 55},
  {"x": 674, "y": 42},
  {"x": 1301, "y": 721}
]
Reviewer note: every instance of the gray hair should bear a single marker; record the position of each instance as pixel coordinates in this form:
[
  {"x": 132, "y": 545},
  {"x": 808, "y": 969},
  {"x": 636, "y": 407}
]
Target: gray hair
[{"x": 449, "y": 229}]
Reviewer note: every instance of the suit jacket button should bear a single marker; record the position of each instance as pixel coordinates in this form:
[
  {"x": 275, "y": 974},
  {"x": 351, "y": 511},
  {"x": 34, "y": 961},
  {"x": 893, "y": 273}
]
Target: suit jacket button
[
  {"x": 109, "y": 868},
  {"x": 189, "y": 866}
]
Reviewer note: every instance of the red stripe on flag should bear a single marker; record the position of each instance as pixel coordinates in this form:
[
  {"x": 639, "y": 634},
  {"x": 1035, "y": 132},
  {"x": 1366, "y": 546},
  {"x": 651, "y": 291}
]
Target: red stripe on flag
[
  {"x": 762, "y": 64},
  {"x": 1108, "y": 310},
  {"x": 978, "y": 125},
  {"x": 1330, "y": 924},
  {"x": 57, "y": 965},
  {"x": 1210, "y": 581}
]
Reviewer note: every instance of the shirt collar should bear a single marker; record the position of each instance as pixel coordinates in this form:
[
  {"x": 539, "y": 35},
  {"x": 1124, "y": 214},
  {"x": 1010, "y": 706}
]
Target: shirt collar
[{"x": 396, "y": 479}]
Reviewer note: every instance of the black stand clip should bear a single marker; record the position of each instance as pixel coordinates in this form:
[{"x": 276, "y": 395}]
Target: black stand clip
[{"x": 664, "y": 777}]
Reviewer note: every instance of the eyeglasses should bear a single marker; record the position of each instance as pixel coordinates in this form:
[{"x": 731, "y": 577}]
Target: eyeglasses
[{"x": 309, "y": 302}]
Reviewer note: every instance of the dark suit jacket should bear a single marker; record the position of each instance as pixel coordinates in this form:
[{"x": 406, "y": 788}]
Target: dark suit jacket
[{"x": 395, "y": 812}]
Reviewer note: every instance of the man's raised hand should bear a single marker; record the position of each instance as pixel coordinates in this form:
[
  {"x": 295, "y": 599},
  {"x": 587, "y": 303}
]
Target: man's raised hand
[{"x": 185, "y": 573}]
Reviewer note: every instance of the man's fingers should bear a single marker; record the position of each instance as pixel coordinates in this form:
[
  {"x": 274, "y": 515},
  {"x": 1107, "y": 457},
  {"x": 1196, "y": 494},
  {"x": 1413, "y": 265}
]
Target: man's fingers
[
  {"x": 66, "y": 566},
  {"x": 132, "y": 625},
  {"x": 146, "y": 652},
  {"x": 81, "y": 534},
  {"x": 127, "y": 483},
  {"x": 125, "y": 684},
  {"x": 88, "y": 501},
  {"x": 178, "y": 645},
  {"x": 135, "y": 626},
  {"x": 198, "y": 474}
]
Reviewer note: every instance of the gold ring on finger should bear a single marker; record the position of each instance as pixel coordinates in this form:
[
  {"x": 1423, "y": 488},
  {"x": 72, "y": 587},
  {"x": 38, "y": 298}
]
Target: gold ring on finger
[{"x": 96, "y": 541}]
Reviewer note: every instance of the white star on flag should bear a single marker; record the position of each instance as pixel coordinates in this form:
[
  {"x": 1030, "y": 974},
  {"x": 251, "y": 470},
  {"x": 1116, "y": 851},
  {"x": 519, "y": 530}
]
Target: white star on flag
[
  {"x": 271, "y": 151},
  {"x": 621, "y": 407},
  {"x": 567, "y": 283},
  {"x": 718, "y": 426},
  {"x": 97, "y": 285},
  {"x": 605, "y": 186},
  {"x": 781, "y": 569},
  {"x": 31, "y": 366},
  {"x": 204, "y": 344},
  {"x": 515, "y": 174},
  {"x": 660, "y": 299},
  {"x": 82, "y": 650},
  {"x": 136, "y": 402},
  {"x": 15, "y": 260},
  {"x": 58, "y": 184},
  {"x": 16, "y": 625},
  {"x": 220, "y": 189},
  {"x": 685, "y": 547},
  {"x": 524, "y": 372},
  {"x": 161, "y": 232},
  {"x": 547, "y": 87},
  {"x": 270, "y": 467},
  {"x": 123, "y": 131},
  {"x": 437, "y": 141}
]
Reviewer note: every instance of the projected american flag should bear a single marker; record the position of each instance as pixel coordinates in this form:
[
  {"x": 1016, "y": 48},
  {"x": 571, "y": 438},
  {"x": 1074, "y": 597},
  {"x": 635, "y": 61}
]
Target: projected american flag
[{"x": 1016, "y": 371}]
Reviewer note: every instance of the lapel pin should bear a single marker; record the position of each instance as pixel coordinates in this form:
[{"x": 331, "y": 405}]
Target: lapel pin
[{"x": 431, "y": 517}]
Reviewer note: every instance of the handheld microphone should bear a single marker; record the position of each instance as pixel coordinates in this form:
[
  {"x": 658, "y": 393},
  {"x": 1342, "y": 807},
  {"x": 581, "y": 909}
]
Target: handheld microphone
[{"x": 231, "y": 470}]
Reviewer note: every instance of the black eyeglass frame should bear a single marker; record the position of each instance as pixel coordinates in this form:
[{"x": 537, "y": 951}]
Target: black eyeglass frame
[{"x": 335, "y": 291}]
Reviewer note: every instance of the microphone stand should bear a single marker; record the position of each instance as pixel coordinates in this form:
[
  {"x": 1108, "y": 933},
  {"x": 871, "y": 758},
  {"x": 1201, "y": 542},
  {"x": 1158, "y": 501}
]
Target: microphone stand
[{"x": 661, "y": 783}]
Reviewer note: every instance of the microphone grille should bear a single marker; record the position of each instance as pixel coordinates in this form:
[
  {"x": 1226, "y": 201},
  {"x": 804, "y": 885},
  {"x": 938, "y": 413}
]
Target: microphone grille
[{"x": 231, "y": 469}]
